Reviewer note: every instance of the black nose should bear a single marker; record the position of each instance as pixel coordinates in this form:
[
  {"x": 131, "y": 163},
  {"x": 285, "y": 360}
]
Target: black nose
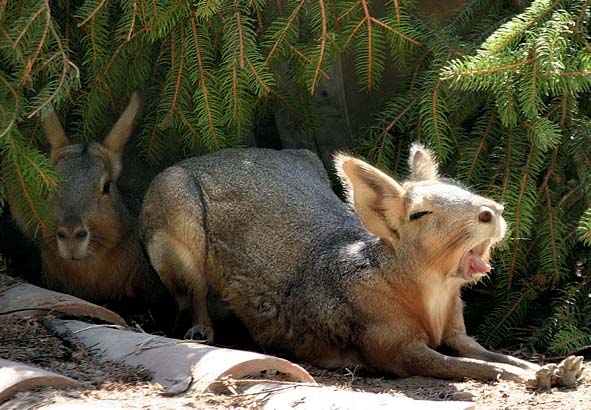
[{"x": 485, "y": 216}]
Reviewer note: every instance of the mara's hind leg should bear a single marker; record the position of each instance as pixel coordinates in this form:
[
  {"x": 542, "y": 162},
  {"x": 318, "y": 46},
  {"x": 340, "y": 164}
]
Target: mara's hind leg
[
  {"x": 181, "y": 270},
  {"x": 173, "y": 234}
]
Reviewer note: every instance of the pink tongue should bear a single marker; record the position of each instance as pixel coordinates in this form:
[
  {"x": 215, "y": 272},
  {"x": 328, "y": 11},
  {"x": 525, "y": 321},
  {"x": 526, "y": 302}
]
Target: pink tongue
[{"x": 477, "y": 265}]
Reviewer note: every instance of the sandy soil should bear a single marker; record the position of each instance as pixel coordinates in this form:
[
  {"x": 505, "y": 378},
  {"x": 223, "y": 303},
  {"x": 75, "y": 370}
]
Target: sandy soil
[{"x": 27, "y": 341}]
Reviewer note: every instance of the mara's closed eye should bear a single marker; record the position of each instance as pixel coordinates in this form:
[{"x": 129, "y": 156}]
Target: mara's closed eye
[
  {"x": 107, "y": 188},
  {"x": 416, "y": 215}
]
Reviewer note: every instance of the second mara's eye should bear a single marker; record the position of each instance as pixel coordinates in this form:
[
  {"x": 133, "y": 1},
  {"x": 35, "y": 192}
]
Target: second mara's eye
[
  {"x": 107, "y": 188},
  {"x": 416, "y": 215}
]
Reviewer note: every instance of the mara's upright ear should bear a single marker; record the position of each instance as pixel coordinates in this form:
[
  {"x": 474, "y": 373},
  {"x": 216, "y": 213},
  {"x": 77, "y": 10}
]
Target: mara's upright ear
[
  {"x": 376, "y": 197},
  {"x": 55, "y": 134},
  {"x": 119, "y": 134},
  {"x": 422, "y": 163}
]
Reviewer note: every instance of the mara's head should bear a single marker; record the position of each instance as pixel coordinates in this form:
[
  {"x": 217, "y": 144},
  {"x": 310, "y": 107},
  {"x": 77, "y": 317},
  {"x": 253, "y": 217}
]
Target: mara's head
[
  {"x": 87, "y": 212},
  {"x": 444, "y": 228}
]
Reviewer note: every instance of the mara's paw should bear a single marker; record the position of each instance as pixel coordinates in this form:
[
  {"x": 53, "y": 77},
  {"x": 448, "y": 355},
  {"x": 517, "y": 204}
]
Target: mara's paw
[
  {"x": 201, "y": 333},
  {"x": 569, "y": 370},
  {"x": 543, "y": 378}
]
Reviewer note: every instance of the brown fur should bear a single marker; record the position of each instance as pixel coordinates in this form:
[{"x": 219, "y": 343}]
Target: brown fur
[
  {"x": 309, "y": 277},
  {"x": 113, "y": 273},
  {"x": 91, "y": 248}
]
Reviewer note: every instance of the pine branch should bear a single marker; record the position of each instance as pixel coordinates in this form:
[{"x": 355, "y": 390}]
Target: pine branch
[
  {"x": 92, "y": 13},
  {"x": 180, "y": 71},
  {"x": 6, "y": 113},
  {"x": 322, "y": 48},
  {"x": 203, "y": 86},
  {"x": 438, "y": 136},
  {"x": 396, "y": 32},
  {"x": 47, "y": 179},
  {"x": 132, "y": 25},
  {"x": 471, "y": 73},
  {"x": 285, "y": 29},
  {"x": 207, "y": 8},
  {"x": 396, "y": 10},
  {"x": 388, "y": 128},
  {"x": 235, "y": 92},
  {"x": 368, "y": 21},
  {"x": 511, "y": 31},
  {"x": 240, "y": 36},
  {"x": 584, "y": 228},
  {"x": 569, "y": 345},
  {"x": 30, "y": 21},
  {"x": 28, "y": 177},
  {"x": 553, "y": 239},
  {"x": 353, "y": 33},
  {"x": 28, "y": 196},
  {"x": 519, "y": 213},
  {"x": 509, "y": 312},
  {"x": 149, "y": 150},
  {"x": 60, "y": 88},
  {"x": 308, "y": 61},
  {"x": 258, "y": 77},
  {"x": 29, "y": 66},
  {"x": 478, "y": 152}
]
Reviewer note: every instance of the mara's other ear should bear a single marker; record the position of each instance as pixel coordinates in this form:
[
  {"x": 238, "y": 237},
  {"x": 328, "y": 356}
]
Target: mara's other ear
[
  {"x": 372, "y": 193},
  {"x": 55, "y": 134},
  {"x": 422, "y": 163},
  {"x": 119, "y": 134}
]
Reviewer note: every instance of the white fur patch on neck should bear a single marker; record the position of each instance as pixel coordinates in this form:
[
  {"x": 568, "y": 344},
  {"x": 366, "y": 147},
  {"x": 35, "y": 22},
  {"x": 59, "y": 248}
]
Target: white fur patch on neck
[{"x": 438, "y": 298}]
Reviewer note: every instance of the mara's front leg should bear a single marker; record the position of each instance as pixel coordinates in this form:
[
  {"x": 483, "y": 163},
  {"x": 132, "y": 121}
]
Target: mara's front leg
[
  {"x": 403, "y": 350},
  {"x": 565, "y": 373},
  {"x": 417, "y": 359}
]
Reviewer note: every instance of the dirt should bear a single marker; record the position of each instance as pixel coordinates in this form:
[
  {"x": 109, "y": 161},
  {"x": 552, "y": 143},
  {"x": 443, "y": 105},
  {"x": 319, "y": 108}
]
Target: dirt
[
  {"x": 28, "y": 341},
  {"x": 499, "y": 395}
]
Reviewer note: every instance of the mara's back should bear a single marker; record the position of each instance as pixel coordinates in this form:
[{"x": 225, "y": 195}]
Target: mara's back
[{"x": 264, "y": 209}]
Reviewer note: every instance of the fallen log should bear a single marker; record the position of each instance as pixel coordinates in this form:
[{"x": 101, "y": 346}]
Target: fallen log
[
  {"x": 178, "y": 365},
  {"x": 16, "y": 377},
  {"x": 24, "y": 299}
]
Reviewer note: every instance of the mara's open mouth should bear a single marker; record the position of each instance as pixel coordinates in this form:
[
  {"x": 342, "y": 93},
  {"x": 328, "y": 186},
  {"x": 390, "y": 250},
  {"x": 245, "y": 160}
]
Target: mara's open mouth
[{"x": 473, "y": 264}]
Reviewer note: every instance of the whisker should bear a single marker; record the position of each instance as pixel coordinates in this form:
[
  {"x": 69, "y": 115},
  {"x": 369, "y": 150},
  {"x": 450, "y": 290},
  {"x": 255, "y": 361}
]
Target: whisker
[{"x": 462, "y": 235}]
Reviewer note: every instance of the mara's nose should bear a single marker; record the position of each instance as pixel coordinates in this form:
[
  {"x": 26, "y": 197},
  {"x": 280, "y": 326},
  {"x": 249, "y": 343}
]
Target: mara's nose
[
  {"x": 76, "y": 233},
  {"x": 486, "y": 214}
]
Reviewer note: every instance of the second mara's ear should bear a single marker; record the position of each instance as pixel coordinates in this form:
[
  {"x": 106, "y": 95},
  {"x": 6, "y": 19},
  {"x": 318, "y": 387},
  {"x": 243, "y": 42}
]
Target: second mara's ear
[
  {"x": 55, "y": 134},
  {"x": 422, "y": 164},
  {"x": 373, "y": 194},
  {"x": 119, "y": 134}
]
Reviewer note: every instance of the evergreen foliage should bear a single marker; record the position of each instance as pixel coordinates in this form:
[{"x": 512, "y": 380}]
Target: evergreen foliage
[{"x": 500, "y": 93}]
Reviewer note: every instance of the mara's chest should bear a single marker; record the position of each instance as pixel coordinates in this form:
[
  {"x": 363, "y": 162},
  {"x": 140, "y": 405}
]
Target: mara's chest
[
  {"x": 107, "y": 277},
  {"x": 440, "y": 303}
]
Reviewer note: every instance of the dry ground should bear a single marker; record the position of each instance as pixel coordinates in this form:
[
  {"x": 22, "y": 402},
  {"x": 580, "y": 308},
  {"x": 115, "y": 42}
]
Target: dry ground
[{"x": 27, "y": 341}]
